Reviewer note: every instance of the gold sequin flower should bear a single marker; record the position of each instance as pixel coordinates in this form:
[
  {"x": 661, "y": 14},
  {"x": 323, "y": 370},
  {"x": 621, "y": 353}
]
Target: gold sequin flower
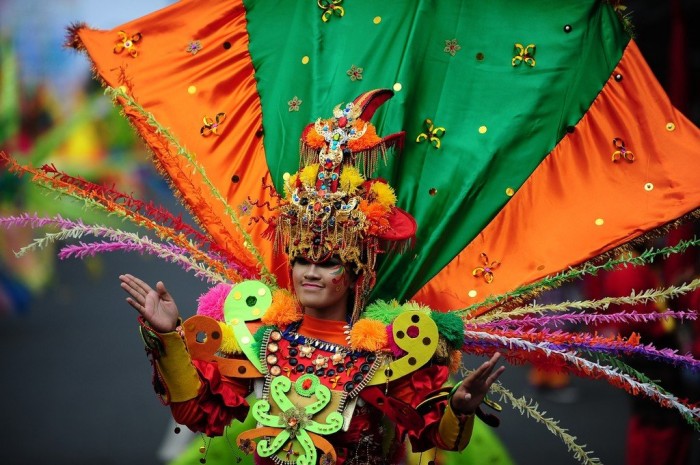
[
  {"x": 524, "y": 54},
  {"x": 193, "y": 47},
  {"x": 306, "y": 350},
  {"x": 433, "y": 134},
  {"x": 355, "y": 73},
  {"x": 247, "y": 446},
  {"x": 452, "y": 47},
  {"x": 245, "y": 208},
  {"x": 486, "y": 271},
  {"x": 622, "y": 152},
  {"x": 330, "y": 8},
  {"x": 320, "y": 362},
  {"x": 294, "y": 104},
  {"x": 127, "y": 42},
  {"x": 211, "y": 126}
]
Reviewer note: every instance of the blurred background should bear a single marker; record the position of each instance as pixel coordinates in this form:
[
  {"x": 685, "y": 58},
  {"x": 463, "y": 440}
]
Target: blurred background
[{"x": 75, "y": 380}]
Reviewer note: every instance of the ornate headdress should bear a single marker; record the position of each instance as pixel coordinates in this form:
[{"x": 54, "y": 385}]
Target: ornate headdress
[{"x": 331, "y": 206}]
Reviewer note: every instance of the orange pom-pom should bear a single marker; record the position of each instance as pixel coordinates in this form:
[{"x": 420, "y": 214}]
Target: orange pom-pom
[
  {"x": 455, "y": 361},
  {"x": 369, "y": 139},
  {"x": 376, "y": 214},
  {"x": 369, "y": 335},
  {"x": 314, "y": 139},
  {"x": 285, "y": 309}
]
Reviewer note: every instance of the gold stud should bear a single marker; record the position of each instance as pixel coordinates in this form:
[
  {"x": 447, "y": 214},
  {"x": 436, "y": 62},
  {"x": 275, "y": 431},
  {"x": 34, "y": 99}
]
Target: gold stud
[
  {"x": 648, "y": 187},
  {"x": 192, "y": 90},
  {"x": 472, "y": 293},
  {"x": 670, "y": 126},
  {"x": 305, "y": 60},
  {"x": 599, "y": 222},
  {"x": 377, "y": 19},
  {"x": 286, "y": 176},
  {"x": 398, "y": 87},
  {"x": 510, "y": 192},
  {"x": 483, "y": 129}
]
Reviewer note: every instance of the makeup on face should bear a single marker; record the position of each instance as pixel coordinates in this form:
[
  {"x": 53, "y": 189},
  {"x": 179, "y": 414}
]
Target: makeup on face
[{"x": 323, "y": 286}]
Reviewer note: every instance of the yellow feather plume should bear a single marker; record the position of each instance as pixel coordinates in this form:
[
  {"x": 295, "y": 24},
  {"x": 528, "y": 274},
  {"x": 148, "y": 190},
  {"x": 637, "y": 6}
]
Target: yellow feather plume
[
  {"x": 308, "y": 175},
  {"x": 350, "y": 179},
  {"x": 229, "y": 345},
  {"x": 290, "y": 184},
  {"x": 384, "y": 194}
]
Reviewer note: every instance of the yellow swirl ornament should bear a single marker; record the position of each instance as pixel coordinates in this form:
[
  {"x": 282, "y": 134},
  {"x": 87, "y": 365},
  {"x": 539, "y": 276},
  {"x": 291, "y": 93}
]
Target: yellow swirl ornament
[{"x": 417, "y": 334}]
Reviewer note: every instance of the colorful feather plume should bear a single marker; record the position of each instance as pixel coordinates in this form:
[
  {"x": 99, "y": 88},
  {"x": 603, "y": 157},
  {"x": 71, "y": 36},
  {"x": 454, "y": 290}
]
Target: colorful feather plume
[{"x": 528, "y": 333}]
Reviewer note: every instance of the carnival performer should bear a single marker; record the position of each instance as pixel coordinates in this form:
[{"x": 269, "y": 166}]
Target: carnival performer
[
  {"x": 320, "y": 386},
  {"x": 520, "y": 165}
]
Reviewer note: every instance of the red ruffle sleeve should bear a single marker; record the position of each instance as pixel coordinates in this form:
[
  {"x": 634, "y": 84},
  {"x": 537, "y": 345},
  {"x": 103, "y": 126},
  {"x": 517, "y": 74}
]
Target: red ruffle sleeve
[
  {"x": 220, "y": 400},
  {"x": 414, "y": 389}
]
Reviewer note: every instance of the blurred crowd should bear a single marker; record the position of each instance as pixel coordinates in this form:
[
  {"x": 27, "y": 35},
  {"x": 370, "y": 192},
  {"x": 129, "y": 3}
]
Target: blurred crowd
[{"x": 82, "y": 134}]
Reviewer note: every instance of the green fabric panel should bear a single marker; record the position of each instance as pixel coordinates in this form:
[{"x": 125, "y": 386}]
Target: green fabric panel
[
  {"x": 220, "y": 450},
  {"x": 525, "y": 109},
  {"x": 485, "y": 447}
]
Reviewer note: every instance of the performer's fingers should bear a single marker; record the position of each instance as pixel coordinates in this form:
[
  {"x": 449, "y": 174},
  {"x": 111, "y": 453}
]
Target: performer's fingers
[
  {"x": 481, "y": 373},
  {"x": 495, "y": 375},
  {"x": 138, "y": 284},
  {"x": 489, "y": 366},
  {"x": 138, "y": 307},
  {"x": 162, "y": 291},
  {"x": 135, "y": 293},
  {"x": 129, "y": 287}
]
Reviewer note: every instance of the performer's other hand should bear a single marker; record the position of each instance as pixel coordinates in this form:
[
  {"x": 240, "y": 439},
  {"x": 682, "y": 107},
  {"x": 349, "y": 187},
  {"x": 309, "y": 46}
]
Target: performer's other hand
[
  {"x": 475, "y": 386},
  {"x": 155, "y": 305}
]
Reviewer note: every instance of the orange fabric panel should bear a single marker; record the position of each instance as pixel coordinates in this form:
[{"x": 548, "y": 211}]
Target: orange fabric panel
[
  {"x": 578, "y": 203},
  {"x": 180, "y": 89}
]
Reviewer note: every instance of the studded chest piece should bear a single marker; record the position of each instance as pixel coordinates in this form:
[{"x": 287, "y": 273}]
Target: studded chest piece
[{"x": 337, "y": 367}]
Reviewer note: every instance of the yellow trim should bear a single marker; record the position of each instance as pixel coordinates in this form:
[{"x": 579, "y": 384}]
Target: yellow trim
[
  {"x": 455, "y": 432},
  {"x": 176, "y": 369}
]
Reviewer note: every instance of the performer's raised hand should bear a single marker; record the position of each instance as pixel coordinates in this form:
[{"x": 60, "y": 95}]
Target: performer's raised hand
[
  {"x": 473, "y": 389},
  {"x": 156, "y": 306}
]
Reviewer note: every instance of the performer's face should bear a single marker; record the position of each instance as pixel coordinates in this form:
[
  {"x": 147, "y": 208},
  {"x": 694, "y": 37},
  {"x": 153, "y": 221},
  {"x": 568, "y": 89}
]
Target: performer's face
[{"x": 322, "y": 286}]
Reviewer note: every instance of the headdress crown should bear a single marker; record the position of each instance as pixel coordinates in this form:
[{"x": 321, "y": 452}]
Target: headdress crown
[{"x": 331, "y": 206}]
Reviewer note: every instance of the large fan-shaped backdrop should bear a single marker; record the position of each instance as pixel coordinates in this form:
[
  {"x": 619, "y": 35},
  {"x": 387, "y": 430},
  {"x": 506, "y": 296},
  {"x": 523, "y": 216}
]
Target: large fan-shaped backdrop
[{"x": 537, "y": 137}]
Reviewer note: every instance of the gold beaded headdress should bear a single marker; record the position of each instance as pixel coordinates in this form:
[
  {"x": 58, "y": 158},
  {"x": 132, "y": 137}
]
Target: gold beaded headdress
[{"x": 331, "y": 206}]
